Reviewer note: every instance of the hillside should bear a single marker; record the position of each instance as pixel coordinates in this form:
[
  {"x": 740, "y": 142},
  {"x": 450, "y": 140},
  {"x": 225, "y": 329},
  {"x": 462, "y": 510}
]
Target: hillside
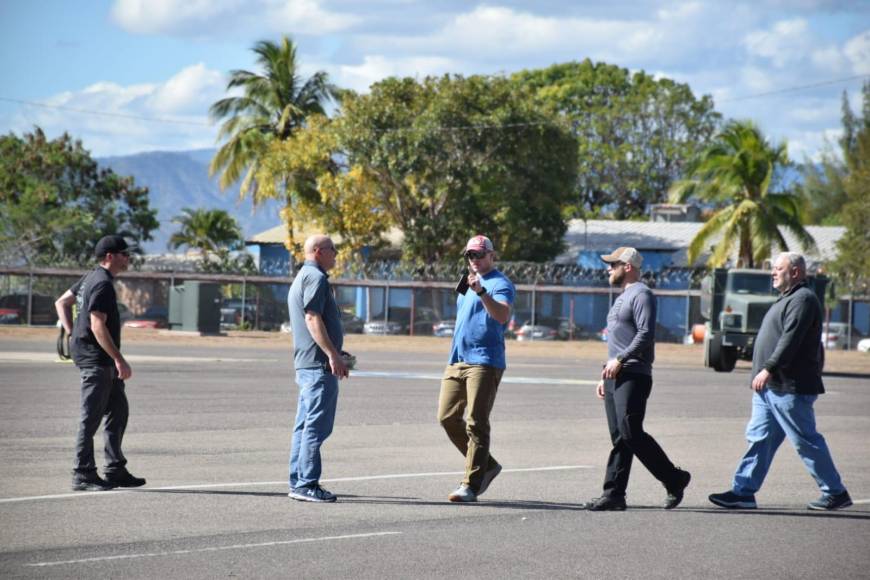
[{"x": 179, "y": 179}]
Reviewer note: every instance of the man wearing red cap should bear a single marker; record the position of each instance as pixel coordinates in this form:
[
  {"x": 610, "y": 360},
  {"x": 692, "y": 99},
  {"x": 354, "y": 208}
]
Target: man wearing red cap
[{"x": 477, "y": 362}]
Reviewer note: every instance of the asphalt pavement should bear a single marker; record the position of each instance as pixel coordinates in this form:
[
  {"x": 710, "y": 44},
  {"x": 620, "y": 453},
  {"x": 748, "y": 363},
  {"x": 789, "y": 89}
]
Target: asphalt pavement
[{"x": 210, "y": 430}]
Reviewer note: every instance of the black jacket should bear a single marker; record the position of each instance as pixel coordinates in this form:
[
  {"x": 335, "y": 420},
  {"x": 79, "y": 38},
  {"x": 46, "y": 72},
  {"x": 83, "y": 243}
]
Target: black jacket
[{"x": 789, "y": 343}]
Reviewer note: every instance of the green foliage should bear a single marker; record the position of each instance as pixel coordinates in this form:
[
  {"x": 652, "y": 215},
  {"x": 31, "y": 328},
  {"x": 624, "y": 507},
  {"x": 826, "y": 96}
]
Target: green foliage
[
  {"x": 852, "y": 266},
  {"x": 736, "y": 173},
  {"x": 635, "y": 134},
  {"x": 454, "y": 156},
  {"x": 214, "y": 233},
  {"x": 273, "y": 106},
  {"x": 55, "y": 203}
]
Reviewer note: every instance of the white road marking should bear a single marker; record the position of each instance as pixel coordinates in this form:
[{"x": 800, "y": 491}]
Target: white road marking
[
  {"x": 437, "y": 377},
  {"x": 45, "y": 357},
  {"x": 212, "y": 549},
  {"x": 284, "y": 482}
]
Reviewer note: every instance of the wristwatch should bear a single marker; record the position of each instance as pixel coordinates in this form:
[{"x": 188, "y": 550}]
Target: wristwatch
[
  {"x": 620, "y": 358},
  {"x": 482, "y": 292}
]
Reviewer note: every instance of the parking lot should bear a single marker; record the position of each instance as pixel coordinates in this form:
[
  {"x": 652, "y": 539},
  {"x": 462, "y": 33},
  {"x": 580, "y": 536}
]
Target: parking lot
[{"x": 210, "y": 430}]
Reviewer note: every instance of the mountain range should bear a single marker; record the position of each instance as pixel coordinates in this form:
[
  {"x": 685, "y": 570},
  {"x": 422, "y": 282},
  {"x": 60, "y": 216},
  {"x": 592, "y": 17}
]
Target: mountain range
[{"x": 179, "y": 179}]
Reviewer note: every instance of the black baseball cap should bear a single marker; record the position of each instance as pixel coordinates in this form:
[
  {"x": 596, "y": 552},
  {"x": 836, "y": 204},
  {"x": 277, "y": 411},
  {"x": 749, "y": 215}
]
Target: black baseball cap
[{"x": 110, "y": 245}]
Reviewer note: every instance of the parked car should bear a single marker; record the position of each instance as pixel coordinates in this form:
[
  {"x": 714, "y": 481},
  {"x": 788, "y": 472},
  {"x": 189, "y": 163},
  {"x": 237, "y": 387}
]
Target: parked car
[
  {"x": 544, "y": 328},
  {"x": 351, "y": 323},
  {"x": 9, "y": 316},
  {"x": 864, "y": 345},
  {"x": 444, "y": 328},
  {"x": 153, "y": 317},
  {"x": 400, "y": 322},
  {"x": 835, "y": 335},
  {"x": 42, "y": 311}
]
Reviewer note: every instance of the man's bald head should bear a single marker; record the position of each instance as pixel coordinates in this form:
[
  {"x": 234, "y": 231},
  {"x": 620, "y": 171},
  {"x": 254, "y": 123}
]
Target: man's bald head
[{"x": 321, "y": 249}]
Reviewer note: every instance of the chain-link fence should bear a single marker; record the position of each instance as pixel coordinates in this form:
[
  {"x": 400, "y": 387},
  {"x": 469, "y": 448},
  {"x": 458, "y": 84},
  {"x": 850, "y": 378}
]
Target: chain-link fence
[{"x": 572, "y": 305}]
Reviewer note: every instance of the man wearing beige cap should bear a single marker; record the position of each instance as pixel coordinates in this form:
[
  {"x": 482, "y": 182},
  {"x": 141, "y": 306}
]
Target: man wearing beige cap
[
  {"x": 477, "y": 362},
  {"x": 625, "y": 386}
]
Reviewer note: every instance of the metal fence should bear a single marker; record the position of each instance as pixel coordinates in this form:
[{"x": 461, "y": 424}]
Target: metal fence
[{"x": 407, "y": 307}]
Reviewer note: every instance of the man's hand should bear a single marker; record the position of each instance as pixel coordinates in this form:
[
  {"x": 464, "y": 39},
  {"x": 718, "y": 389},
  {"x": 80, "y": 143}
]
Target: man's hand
[
  {"x": 474, "y": 282},
  {"x": 338, "y": 367},
  {"x": 611, "y": 369},
  {"x": 599, "y": 390},
  {"x": 124, "y": 370},
  {"x": 760, "y": 380}
]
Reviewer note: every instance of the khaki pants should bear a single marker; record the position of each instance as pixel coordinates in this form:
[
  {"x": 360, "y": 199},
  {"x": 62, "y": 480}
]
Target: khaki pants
[{"x": 472, "y": 387}]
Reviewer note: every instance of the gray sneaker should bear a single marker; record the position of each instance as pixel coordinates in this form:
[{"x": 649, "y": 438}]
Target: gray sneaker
[
  {"x": 831, "y": 502},
  {"x": 463, "y": 494},
  {"x": 314, "y": 494},
  {"x": 488, "y": 476}
]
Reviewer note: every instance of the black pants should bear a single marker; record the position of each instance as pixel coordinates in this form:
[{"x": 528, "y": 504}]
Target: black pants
[
  {"x": 102, "y": 395},
  {"x": 625, "y": 405}
]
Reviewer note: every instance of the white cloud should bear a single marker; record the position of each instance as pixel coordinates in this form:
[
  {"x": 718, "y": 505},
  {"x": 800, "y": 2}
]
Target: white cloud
[
  {"x": 112, "y": 119},
  {"x": 307, "y": 16},
  {"x": 376, "y": 68},
  {"x": 786, "y": 42},
  {"x": 168, "y": 16},
  {"x": 857, "y": 50},
  {"x": 192, "y": 90}
]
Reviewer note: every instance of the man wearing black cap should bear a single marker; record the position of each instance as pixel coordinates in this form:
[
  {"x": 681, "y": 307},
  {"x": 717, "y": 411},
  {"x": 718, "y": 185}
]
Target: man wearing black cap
[
  {"x": 95, "y": 342},
  {"x": 625, "y": 386}
]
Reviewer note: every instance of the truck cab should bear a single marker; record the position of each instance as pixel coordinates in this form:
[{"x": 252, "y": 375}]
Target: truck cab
[{"x": 734, "y": 302}]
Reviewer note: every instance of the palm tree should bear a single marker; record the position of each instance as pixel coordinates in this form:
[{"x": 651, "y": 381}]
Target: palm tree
[
  {"x": 212, "y": 231},
  {"x": 273, "y": 105},
  {"x": 737, "y": 171}
]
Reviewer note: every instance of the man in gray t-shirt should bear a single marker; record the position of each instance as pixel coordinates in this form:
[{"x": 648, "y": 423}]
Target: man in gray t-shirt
[
  {"x": 317, "y": 340},
  {"x": 625, "y": 386}
]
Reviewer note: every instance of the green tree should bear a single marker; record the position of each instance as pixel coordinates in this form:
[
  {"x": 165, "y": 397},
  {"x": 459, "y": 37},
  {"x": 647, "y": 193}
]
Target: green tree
[
  {"x": 737, "y": 174},
  {"x": 635, "y": 134},
  {"x": 274, "y": 104},
  {"x": 852, "y": 266},
  {"x": 455, "y": 156},
  {"x": 824, "y": 182},
  {"x": 214, "y": 233},
  {"x": 55, "y": 202}
]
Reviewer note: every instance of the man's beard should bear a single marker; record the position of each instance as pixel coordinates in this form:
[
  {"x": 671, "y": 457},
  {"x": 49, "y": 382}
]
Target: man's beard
[{"x": 617, "y": 279}]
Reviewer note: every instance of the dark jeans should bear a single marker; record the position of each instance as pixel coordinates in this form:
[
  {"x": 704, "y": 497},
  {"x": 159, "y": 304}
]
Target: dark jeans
[
  {"x": 625, "y": 405},
  {"x": 102, "y": 395}
]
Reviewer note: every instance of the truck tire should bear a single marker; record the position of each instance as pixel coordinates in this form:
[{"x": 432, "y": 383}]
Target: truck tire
[{"x": 721, "y": 358}]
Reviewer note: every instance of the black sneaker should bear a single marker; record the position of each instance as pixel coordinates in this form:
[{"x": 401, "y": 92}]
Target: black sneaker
[
  {"x": 675, "y": 494},
  {"x": 314, "y": 494},
  {"x": 606, "y": 504},
  {"x": 831, "y": 502},
  {"x": 125, "y": 479},
  {"x": 90, "y": 483},
  {"x": 731, "y": 500}
]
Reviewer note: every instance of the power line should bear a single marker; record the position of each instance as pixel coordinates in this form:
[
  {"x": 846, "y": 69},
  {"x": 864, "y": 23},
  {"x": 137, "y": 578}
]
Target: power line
[
  {"x": 104, "y": 113},
  {"x": 398, "y": 129},
  {"x": 795, "y": 89}
]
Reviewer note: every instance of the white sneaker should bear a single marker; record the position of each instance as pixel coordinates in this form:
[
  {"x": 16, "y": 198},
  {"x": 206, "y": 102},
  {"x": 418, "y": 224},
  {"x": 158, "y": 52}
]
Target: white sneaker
[
  {"x": 488, "y": 476},
  {"x": 463, "y": 494}
]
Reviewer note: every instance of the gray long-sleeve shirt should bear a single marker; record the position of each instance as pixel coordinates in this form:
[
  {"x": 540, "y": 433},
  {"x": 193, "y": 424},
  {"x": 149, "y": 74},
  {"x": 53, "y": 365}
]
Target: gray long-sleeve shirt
[
  {"x": 631, "y": 326},
  {"x": 789, "y": 343}
]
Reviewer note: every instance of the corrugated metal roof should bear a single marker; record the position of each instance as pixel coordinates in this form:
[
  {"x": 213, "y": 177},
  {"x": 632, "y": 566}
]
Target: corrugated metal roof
[{"x": 605, "y": 235}]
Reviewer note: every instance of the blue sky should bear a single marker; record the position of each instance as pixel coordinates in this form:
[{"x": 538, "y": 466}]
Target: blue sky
[{"x": 168, "y": 59}]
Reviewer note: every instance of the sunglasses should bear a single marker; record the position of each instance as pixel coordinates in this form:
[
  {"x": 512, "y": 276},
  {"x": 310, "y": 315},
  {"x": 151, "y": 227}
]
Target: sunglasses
[{"x": 475, "y": 255}]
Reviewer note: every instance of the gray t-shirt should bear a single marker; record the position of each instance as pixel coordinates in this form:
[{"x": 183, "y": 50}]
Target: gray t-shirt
[
  {"x": 310, "y": 292},
  {"x": 631, "y": 326}
]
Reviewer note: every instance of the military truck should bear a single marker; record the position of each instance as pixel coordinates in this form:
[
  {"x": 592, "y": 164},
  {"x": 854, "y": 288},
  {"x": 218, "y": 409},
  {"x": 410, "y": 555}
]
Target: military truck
[{"x": 734, "y": 302}]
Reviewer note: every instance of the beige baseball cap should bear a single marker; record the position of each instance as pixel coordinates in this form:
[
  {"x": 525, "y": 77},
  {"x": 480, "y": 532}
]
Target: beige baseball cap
[{"x": 624, "y": 254}]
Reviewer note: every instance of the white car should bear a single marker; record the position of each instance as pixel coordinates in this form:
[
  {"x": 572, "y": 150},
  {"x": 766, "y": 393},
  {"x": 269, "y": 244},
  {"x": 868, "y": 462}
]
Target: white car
[{"x": 835, "y": 335}]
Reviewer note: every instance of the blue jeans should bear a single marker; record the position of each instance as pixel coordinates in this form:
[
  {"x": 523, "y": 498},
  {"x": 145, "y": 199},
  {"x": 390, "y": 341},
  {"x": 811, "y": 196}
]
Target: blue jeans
[
  {"x": 777, "y": 415},
  {"x": 315, "y": 416}
]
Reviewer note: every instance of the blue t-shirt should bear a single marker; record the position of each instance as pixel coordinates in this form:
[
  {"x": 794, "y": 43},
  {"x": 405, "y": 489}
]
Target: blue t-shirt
[
  {"x": 310, "y": 292},
  {"x": 478, "y": 338}
]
